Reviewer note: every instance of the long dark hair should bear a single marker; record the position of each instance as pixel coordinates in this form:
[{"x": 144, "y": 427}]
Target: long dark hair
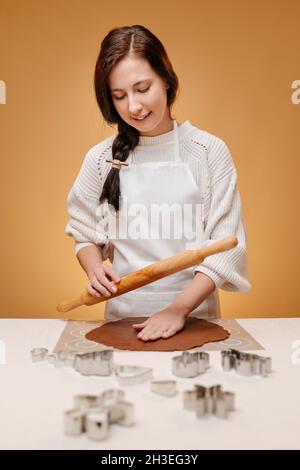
[{"x": 118, "y": 44}]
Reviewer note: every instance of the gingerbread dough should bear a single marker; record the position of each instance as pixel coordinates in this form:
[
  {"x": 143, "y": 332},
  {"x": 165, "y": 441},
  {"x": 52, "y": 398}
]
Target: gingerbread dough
[{"x": 120, "y": 334}]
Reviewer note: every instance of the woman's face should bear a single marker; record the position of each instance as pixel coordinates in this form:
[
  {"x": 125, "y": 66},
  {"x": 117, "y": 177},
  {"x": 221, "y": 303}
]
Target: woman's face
[{"x": 138, "y": 91}]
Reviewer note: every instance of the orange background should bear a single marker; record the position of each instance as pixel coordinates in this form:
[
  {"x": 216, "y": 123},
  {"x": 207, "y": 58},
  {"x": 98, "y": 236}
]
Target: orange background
[{"x": 236, "y": 62}]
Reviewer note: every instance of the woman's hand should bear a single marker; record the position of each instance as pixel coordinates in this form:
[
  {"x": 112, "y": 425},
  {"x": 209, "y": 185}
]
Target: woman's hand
[
  {"x": 100, "y": 281},
  {"x": 163, "y": 324}
]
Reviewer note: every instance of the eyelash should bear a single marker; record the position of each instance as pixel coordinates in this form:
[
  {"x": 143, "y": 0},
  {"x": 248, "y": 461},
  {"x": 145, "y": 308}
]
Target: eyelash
[{"x": 141, "y": 91}]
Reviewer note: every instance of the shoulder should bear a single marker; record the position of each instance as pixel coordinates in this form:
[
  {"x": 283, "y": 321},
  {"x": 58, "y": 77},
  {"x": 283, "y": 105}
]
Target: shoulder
[
  {"x": 100, "y": 151},
  {"x": 213, "y": 148},
  {"x": 94, "y": 163},
  {"x": 94, "y": 168},
  {"x": 205, "y": 139}
]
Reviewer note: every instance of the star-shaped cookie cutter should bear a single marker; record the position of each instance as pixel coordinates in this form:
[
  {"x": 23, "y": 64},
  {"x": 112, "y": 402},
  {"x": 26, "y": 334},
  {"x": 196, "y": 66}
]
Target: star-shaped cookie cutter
[{"x": 209, "y": 401}]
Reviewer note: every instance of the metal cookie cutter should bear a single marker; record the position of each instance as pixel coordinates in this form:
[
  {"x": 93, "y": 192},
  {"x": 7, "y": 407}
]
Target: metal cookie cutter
[
  {"x": 98, "y": 420},
  {"x": 93, "y": 414},
  {"x": 167, "y": 388},
  {"x": 74, "y": 422},
  {"x": 245, "y": 363},
  {"x": 112, "y": 396},
  {"x": 128, "y": 375},
  {"x": 84, "y": 402},
  {"x": 117, "y": 163},
  {"x": 92, "y": 363},
  {"x": 209, "y": 400},
  {"x": 62, "y": 359},
  {"x": 38, "y": 354},
  {"x": 190, "y": 364},
  {"x": 95, "y": 363},
  {"x": 96, "y": 424},
  {"x": 121, "y": 413}
]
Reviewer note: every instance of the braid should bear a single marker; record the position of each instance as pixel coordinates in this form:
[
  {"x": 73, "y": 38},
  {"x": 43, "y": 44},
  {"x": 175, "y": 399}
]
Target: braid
[{"x": 125, "y": 141}]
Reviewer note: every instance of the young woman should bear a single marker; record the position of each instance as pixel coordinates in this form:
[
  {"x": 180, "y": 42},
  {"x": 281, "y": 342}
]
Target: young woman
[{"x": 155, "y": 188}]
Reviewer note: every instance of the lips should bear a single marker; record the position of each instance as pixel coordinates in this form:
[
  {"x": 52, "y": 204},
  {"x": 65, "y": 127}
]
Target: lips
[{"x": 141, "y": 118}]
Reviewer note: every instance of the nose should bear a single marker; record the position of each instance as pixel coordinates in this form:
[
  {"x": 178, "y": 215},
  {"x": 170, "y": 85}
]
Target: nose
[{"x": 134, "y": 107}]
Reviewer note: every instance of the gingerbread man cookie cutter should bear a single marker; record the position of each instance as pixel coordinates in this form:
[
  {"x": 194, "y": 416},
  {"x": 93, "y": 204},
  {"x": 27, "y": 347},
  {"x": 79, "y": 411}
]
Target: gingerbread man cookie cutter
[{"x": 94, "y": 414}]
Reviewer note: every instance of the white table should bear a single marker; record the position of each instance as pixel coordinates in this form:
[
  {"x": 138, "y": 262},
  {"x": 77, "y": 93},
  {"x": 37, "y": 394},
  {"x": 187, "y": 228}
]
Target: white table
[{"x": 34, "y": 396}]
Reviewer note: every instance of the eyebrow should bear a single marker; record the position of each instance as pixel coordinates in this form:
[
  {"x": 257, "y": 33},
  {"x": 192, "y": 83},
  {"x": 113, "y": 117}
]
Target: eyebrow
[{"x": 136, "y": 83}]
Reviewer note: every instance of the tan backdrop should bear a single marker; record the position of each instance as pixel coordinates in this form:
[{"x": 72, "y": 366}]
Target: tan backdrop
[{"x": 236, "y": 62}]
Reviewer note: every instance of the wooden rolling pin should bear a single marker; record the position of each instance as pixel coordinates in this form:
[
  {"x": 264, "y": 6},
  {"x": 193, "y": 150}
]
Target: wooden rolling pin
[{"x": 152, "y": 273}]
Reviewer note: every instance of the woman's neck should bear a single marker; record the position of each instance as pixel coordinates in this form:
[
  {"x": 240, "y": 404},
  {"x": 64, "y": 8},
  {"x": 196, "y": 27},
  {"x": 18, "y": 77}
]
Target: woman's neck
[{"x": 163, "y": 127}]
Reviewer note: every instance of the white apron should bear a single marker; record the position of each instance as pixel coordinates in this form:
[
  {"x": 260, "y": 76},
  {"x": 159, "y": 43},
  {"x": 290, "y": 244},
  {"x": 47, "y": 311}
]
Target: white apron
[{"x": 142, "y": 186}]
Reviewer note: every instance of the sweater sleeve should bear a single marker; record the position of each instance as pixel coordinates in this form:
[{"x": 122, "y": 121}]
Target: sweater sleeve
[
  {"x": 228, "y": 270},
  {"x": 84, "y": 209}
]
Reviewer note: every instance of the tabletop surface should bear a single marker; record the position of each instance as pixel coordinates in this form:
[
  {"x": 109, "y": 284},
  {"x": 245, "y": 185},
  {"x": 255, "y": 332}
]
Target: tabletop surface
[{"x": 34, "y": 396}]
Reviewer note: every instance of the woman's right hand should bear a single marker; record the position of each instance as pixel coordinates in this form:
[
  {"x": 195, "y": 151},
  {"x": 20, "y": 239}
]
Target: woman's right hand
[{"x": 100, "y": 281}]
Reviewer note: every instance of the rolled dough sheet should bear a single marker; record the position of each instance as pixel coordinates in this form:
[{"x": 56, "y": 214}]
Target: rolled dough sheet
[{"x": 120, "y": 334}]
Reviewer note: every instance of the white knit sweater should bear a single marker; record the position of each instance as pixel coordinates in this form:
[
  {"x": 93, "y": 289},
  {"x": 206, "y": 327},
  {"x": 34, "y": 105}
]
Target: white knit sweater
[{"x": 212, "y": 166}]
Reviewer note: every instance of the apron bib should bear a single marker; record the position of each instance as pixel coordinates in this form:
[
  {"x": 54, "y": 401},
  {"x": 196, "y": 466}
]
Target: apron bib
[{"x": 158, "y": 207}]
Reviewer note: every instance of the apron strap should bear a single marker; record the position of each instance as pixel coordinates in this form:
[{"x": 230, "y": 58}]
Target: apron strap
[
  {"x": 176, "y": 141},
  {"x": 130, "y": 156}
]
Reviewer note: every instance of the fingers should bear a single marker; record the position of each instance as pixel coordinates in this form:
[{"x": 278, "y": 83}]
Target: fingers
[
  {"x": 172, "y": 330},
  {"x": 155, "y": 335},
  {"x": 100, "y": 284},
  {"x": 92, "y": 291},
  {"x": 103, "y": 285},
  {"x": 168, "y": 333},
  {"x": 138, "y": 326},
  {"x": 111, "y": 273},
  {"x": 150, "y": 334},
  {"x": 159, "y": 334}
]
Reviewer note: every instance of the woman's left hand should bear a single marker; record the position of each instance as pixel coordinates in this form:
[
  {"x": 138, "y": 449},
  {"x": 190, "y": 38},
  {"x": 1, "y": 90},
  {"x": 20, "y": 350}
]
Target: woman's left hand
[{"x": 163, "y": 324}]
